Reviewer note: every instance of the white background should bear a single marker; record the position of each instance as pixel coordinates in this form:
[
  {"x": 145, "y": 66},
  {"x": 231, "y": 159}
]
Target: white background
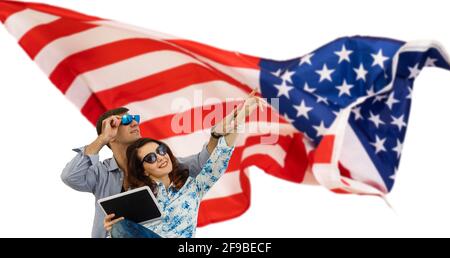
[{"x": 39, "y": 126}]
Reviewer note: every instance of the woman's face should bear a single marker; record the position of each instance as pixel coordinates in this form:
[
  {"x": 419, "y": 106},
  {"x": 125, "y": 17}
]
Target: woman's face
[{"x": 161, "y": 166}]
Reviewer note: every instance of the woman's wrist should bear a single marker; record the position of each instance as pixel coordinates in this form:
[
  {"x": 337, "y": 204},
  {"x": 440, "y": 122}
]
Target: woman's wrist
[{"x": 215, "y": 134}]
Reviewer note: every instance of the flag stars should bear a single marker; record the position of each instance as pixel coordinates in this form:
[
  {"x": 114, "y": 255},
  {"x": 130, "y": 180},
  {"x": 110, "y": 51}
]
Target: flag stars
[
  {"x": 376, "y": 120},
  {"x": 413, "y": 71},
  {"x": 398, "y": 148},
  {"x": 430, "y": 61},
  {"x": 321, "y": 99},
  {"x": 306, "y": 59},
  {"x": 287, "y": 76},
  {"x": 379, "y": 59},
  {"x": 409, "y": 93},
  {"x": 357, "y": 112},
  {"x": 277, "y": 73},
  {"x": 378, "y": 144},
  {"x": 344, "y": 54},
  {"x": 392, "y": 177},
  {"x": 399, "y": 122},
  {"x": 379, "y": 98},
  {"x": 344, "y": 88},
  {"x": 308, "y": 89},
  {"x": 321, "y": 129},
  {"x": 370, "y": 92},
  {"x": 283, "y": 89},
  {"x": 391, "y": 100},
  {"x": 325, "y": 73},
  {"x": 360, "y": 72},
  {"x": 302, "y": 110}
]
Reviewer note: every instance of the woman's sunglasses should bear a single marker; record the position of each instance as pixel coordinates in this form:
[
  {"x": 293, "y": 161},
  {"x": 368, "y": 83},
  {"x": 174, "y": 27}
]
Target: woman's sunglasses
[
  {"x": 152, "y": 158},
  {"x": 127, "y": 119}
]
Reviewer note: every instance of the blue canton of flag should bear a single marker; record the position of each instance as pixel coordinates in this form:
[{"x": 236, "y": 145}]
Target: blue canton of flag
[{"x": 313, "y": 90}]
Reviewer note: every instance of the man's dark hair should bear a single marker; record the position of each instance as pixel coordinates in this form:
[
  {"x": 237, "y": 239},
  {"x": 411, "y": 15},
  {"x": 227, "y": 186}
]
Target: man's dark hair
[{"x": 112, "y": 112}]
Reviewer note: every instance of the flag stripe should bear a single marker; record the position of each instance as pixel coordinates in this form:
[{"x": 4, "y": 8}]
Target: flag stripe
[
  {"x": 33, "y": 42},
  {"x": 155, "y": 128},
  {"x": 356, "y": 159},
  {"x": 230, "y": 58},
  {"x": 224, "y": 57},
  {"x": 178, "y": 143},
  {"x": 15, "y": 6},
  {"x": 193, "y": 78},
  {"x": 84, "y": 61},
  {"x": 8, "y": 9},
  {"x": 20, "y": 23},
  {"x": 220, "y": 209},
  {"x": 51, "y": 55}
]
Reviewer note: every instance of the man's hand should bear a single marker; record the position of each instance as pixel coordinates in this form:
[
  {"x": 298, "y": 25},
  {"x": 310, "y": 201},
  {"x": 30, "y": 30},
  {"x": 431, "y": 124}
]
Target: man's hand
[
  {"x": 110, "y": 126},
  {"x": 108, "y": 222}
]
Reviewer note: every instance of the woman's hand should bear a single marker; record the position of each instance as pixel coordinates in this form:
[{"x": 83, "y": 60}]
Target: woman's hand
[
  {"x": 233, "y": 121},
  {"x": 238, "y": 119},
  {"x": 108, "y": 222}
]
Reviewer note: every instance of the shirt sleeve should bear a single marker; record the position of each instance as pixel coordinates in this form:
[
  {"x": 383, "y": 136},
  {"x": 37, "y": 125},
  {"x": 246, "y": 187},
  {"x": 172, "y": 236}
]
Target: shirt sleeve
[
  {"x": 81, "y": 173},
  {"x": 214, "y": 168},
  {"x": 195, "y": 162}
]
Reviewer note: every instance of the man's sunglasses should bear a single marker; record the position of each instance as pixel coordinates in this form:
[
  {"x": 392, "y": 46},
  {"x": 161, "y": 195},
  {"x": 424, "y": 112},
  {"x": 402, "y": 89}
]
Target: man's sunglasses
[
  {"x": 127, "y": 119},
  {"x": 152, "y": 158}
]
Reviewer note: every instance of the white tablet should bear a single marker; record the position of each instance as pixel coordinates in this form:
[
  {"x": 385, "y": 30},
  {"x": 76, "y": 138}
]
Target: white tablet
[{"x": 138, "y": 205}]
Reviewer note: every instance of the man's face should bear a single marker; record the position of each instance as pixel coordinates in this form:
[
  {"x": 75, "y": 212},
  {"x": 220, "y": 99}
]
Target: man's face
[{"x": 127, "y": 134}]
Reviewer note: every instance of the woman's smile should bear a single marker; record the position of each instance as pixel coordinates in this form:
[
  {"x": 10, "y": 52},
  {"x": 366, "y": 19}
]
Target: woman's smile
[{"x": 163, "y": 164}]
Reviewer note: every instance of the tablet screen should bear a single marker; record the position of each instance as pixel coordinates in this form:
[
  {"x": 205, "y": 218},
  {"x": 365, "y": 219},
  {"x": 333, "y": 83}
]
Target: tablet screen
[{"x": 137, "y": 205}]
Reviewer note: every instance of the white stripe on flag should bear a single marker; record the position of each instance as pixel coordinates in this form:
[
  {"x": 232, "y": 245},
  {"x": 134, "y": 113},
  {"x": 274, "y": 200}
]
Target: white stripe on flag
[
  {"x": 355, "y": 158},
  {"x": 178, "y": 143},
  {"x": 185, "y": 99},
  {"x": 276, "y": 152},
  {"x": 56, "y": 51},
  {"x": 134, "y": 68},
  {"x": 124, "y": 26},
  {"x": 247, "y": 76}
]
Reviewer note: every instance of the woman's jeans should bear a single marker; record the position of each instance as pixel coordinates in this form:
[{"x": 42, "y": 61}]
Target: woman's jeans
[{"x": 129, "y": 229}]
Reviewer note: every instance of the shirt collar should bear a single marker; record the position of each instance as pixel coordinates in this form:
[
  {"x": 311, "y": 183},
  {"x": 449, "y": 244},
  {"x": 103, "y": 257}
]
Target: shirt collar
[{"x": 113, "y": 167}]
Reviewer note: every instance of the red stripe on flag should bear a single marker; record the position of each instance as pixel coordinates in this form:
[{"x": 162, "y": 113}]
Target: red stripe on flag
[
  {"x": 161, "y": 127},
  {"x": 93, "y": 109},
  {"x": 219, "y": 55},
  {"x": 220, "y": 209},
  {"x": 345, "y": 182},
  {"x": 237, "y": 161},
  {"x": 344, "y": 171},
  {"x": 97, "y": 57},
  {"x": 8, "y": 8},
  {"x": 340, "y": 191},
  {"x": 58, "y": 11},
  {"x": 164, "y": 82},
  {"x": 38, "y": 37},
  {"x": 296, "y": 161},
  {"x": 324, "y": 150}
]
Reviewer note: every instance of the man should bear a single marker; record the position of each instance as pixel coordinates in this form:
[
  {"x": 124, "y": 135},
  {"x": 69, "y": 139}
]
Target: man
[{"x": 117, "y": 129}]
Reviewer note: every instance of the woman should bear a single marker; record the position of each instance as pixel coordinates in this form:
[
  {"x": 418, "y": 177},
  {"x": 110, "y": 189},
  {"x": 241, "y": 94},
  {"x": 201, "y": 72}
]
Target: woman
[{"x": 152, "y": 163}]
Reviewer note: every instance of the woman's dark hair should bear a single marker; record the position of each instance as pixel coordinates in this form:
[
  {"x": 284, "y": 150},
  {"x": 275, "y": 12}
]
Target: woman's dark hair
[{"x": 136, "y": 171}]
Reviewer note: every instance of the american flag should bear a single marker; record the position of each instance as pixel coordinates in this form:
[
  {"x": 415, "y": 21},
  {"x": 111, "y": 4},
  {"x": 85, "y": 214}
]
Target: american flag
[{"x": 340, "y": 112}]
